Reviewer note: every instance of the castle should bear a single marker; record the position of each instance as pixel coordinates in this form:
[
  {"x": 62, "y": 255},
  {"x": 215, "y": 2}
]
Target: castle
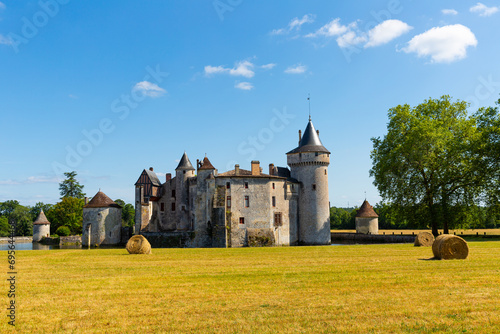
[{"x": 286, "y": 206}]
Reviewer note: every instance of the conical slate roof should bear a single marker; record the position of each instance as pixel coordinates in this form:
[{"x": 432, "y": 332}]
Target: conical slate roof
[
  {"x": 366, "y": 211},
  {"x": 41, "y": 219},
  {"x": 206, "y": 164},
  {"x": 185, "y": 163},
  {"x": 101, "y": 200},
  {"x": 310, "y": 141}
]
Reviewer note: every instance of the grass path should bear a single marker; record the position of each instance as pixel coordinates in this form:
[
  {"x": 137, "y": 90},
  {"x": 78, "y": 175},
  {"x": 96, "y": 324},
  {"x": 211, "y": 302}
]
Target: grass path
[{"x": 344, "y": 289}]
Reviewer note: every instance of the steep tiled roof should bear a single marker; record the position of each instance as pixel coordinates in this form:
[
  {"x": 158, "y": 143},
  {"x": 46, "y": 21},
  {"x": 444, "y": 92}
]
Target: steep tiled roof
[
  {"x": 206, "y": 164},
  {"x": 310, "y": 141},
  {"x": 41, "y": 219},
  {"x": 153, "y": 177},
  {"x": 185, "y": 163},
  {"x": 366, "y": 211},
  {"x": 101, "y": 200}
]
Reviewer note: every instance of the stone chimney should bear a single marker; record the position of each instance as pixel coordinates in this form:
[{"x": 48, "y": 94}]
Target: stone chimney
[
  {"x": 151, "y": 168},
  {"x": 317, "y": 131},
  {"x": 255, "y": 168},
  {"x": 86, "y": 200},
  {"x": 271, "y": 169},
  {"x": 168, "y": 177},
  {"x": 300, "y": 136},
  {"x": 236, "y": 169}
]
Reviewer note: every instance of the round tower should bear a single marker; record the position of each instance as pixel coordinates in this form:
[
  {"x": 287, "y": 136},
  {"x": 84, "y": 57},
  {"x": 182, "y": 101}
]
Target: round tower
[
  {"x": 102, "y": 221},
  {"x": 366, "y": 219},
  {"x": 309, "y": 165},
  {"x": 183, "y": 171},
  {"x": 41, "y": 227}
]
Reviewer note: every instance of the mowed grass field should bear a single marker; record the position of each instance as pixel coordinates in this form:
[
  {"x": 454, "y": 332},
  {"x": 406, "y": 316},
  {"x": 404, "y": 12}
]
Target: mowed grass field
[{"x": 328, "y": 289}]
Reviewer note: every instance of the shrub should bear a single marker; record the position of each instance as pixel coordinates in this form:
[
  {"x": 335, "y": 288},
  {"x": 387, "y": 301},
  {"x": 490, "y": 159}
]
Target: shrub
[{"x": 63, "y": 231}]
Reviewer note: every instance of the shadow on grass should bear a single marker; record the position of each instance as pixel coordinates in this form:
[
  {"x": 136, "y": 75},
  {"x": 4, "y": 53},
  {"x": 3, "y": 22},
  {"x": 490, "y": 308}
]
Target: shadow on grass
[{"x": 430, "y": 259}]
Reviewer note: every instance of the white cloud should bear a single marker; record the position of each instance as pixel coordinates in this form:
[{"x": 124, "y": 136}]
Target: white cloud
[
  {"x": 5, "y": 40},
  {"x": 214, "y": 70},
  {"x": 149, "y": 89},
  {"x": 294, "y": 24},
  {"x": 244, "y": 86},
  {"x": 31, "y": 180},
  {"x": 2, "y": 5},
  {"x": 242, "y": 68},
  {"x": 268, "y": 66},
  {"x": 332, "y": 28},
  {"x": 443, "y": 44},
  {"x": 296, "y": 69},
  {"x": 449, "y": 12},
  {"x": 386, "y": 31},
  {"x": 350, "y": 38},
  {"x": 483, "y": 10}
]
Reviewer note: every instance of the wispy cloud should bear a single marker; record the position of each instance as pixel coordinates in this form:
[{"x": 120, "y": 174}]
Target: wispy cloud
[
  {"x": 5, "y": 40},
  {"x": 443, "y": 44},
  {"x": 149, "y": 89},
  {"x": 268, "y": 66},
  {"x": 294, "y": 25},
  {"x": 71, "y": 96},
  {"x": 350, "y": 34},
  {"x": 386, "y": 31},
  {"x": 483, "y": 10},
  {"x": 242, "y": 68},
  {"x": 31, "y": 180},
  {"x": 2, "y": 5},
  {"x": 244, "y": 86},
  {"x": 449, "y": 12},
  {"x": 296, "y": 69}
]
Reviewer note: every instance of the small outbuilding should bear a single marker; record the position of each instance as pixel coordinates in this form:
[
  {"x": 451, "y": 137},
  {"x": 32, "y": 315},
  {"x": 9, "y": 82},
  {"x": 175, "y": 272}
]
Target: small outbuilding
[
  {"x": 366, "y": 219},
  {"x": 102, "y": 221},
  {"x": 41, "y": 227}
]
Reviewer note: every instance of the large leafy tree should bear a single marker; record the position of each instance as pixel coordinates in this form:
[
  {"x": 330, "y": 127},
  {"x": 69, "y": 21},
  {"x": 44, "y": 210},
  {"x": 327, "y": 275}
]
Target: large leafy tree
[
  {"x": 70, "y": 187},
  {"x": 68, "y": 212},
  {"x": 128, "y": 213},
  {"x": 431, "y": 160},
  {"x": 13, "y": 212}
]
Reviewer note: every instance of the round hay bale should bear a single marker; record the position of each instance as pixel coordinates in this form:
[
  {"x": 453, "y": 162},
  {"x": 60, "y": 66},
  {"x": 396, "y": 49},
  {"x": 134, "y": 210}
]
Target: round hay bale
[
  {"x": 448, "y": 246},
  {"x": 425, "y": 239},
  {"x": 138, "y": 245}
]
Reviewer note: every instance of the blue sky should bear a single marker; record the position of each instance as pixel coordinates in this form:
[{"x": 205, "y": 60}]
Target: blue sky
[{"x": 110, "y": 89}]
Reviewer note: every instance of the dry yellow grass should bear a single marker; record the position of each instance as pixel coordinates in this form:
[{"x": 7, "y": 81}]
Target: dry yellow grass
[{"x": 344, "y": 289}]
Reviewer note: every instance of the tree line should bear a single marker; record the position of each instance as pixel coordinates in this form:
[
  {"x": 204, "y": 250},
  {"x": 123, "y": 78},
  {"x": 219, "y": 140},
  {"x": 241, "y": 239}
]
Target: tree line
[
  {"x": 393, "y": 217},
  {"x": 65, "y": 217}
]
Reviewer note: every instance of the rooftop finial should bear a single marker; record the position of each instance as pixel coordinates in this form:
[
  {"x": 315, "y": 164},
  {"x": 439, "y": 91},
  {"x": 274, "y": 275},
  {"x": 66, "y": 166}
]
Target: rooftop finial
[
  {"x": 309, "y": 100},
  {"x": 365, "y": 195}
]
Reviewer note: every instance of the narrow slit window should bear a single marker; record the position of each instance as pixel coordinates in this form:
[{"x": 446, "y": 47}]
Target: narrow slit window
[
  {"x": 228, "y": 185},
  {"x": 228, "y": 201},
  {"x": 246, "y": 185},
  {"x": 314, "y": 187},
  {"x": 274, "y": 201},
  {"x": 273, "y": 186},
  {"x": 173, "y": 206},
  {"x": 247, "y": 202}
]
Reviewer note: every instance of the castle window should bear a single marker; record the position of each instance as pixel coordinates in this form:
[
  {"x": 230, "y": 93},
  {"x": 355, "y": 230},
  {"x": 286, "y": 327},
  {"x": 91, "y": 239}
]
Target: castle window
[
  {"x": 316, "y": 154},
  {"x": 274, "y": 201},
  {"x": 228, "y": 201},
  {"x": 183, "y": 172},
  {"x": 173, "y": 206},
  {"x": 242, "y": 220},
  {"x": 247, "y": 201},
  {"x": 314, "y": 187},
  {"x": 162, "y": 206},
  {"x": 173, "y": 192},
  {"x": 277, "y": 220},
  {"x": 246, "y": 185},
  {"x": 273, "y": 186},
  {"x": 325, "y": 171},
  {"x": 228, "y": 185}
]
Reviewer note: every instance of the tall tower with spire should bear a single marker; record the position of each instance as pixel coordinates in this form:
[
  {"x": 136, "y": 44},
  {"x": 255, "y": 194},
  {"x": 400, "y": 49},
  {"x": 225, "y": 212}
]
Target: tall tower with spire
[
  {"x": 309, "y": 165},
  {"x": 183, "y": 171}
]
